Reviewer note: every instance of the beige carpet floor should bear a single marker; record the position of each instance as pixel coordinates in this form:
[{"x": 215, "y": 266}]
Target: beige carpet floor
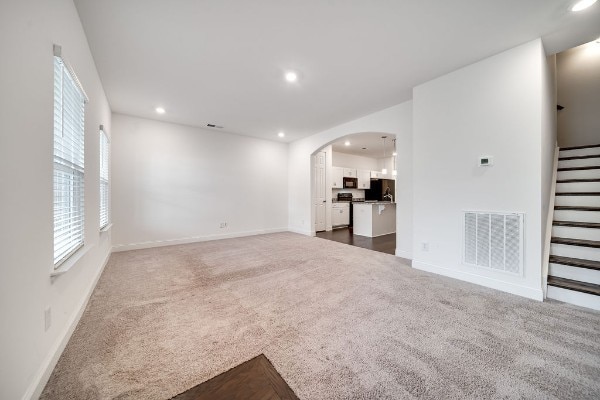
[{"x": 337, "y": 322}]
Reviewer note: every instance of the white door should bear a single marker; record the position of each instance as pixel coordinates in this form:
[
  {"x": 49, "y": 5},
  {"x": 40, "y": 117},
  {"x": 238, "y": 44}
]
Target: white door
[{"x": 320, "y": 200}]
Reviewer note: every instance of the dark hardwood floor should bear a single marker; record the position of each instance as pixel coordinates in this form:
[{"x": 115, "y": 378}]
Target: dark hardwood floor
[
  {"x": 384, "y": 244},
  {"x": 255, "y": 379}
]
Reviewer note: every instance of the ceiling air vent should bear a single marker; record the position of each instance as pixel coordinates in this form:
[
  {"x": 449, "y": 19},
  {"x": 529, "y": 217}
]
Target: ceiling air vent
[{"x": 214, "y": 126}]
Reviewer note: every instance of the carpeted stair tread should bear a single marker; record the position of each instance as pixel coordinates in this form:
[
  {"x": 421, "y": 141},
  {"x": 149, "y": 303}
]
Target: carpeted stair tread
[
  {"x": 579, "y": 157},
  {"x": 579, "y": 168},
  {"x": 589, "y": 146},
  {"x": 593, "y": 225},
  {"x": 589, "y": 180},
  {"x": 578, "y": 194},
  {"x": 575, "y": 262},
  {"x": 578, "y": 286},
  {"x": 576, "y": 208},
  {"x": 576, "y": 242}
]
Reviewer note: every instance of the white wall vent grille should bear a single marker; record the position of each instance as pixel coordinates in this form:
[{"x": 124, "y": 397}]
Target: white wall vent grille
[{"x": 494, "y": 240}]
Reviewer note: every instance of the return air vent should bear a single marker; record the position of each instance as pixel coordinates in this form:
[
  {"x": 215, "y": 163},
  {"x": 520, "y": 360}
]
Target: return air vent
[
  {"x": 214, "y": 126},
  {"x": 494, "y": 240}
]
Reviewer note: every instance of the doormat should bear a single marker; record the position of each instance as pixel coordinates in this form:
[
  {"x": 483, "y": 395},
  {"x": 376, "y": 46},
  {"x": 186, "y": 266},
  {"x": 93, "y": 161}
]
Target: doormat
[{"x": 252, "y": 380}]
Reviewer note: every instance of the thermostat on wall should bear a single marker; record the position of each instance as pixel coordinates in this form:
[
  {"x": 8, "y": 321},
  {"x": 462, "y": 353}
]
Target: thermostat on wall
[{"x": 486, "y": 161}]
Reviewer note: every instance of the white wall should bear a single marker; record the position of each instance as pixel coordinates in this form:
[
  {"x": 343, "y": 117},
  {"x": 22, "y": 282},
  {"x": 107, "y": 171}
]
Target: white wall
[
  {"x": 28, "y": 29},
  {"x": 176, "y": 184},
  {"x": 579, "y": 92},
  {"x": 354, "y": 161},
  {"x": 548, "y": 147},
  {"x": 394, "y": 120},
  {"x": 493, "y": 107}
]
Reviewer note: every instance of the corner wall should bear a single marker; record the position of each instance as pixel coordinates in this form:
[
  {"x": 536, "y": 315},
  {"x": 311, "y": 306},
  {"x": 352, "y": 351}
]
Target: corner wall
[
  {"x": 490, "y": 108},
  {"x": 28, "y": 353},
  {"x": 176, "y": 184},
  {"x": 578, "y": 71}
]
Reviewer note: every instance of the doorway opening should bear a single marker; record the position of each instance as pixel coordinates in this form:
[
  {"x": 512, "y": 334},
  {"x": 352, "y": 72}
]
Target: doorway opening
[{"x": 354, "y": 191}]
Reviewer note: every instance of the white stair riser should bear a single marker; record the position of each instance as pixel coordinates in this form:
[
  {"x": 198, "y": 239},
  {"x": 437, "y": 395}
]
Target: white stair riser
[
  {"x": 573, "y": 297},
  {"x": 584, "y": 162},
  {"x": 572, "y": 232},
  {"x": 577, "y": 216},
  {"x": 579, "y": 152},
  {"x": 579, "y": 174},
  {"x": 588, "y": 201},
  {"x": 578, "y": 187},
  {"x": 575, "y": 273},
  {"x": 584, "y": 253}
]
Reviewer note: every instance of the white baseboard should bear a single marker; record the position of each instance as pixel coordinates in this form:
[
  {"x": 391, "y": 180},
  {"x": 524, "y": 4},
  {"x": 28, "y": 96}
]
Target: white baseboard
[
  {"x": 524, "y": 291},
  {"x": 574, "y": 297},
  {"x": 404, "y": 254},
  {"x": 193, "y": 239},
  {"x": 43, "y": 374},
  {"x": 306, "y": 232}
]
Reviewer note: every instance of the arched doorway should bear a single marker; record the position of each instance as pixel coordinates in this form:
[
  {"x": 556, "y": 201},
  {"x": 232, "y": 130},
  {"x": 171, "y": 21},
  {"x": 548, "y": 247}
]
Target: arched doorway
[{"x": 350, "y": 177}]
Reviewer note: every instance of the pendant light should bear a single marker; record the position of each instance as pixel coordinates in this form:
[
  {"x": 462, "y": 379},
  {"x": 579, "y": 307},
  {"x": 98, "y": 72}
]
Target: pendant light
[
  {"x": 394, "y": 154},
  {"x": 384, "y": 169}
]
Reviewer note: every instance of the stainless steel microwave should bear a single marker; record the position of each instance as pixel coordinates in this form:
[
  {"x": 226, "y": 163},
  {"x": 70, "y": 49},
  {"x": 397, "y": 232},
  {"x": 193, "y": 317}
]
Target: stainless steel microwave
[{"x": 350, "y": 183}]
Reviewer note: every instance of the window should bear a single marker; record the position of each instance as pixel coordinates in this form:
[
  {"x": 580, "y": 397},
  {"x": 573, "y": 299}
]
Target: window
[
  {"x": 104, "y": 187},
  {"x": 69, "y": 103}
]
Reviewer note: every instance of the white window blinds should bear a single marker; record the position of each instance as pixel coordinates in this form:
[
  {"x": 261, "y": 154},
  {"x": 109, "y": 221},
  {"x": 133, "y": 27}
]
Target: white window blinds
[
  {"x": 104, "y": 186},
  {"x": 69, "y": 102}
]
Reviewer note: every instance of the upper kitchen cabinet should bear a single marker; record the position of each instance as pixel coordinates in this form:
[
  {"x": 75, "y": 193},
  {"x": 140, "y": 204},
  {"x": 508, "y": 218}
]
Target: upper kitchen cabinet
[
  {"x": 349, "y": 173},
  {"x": 364, "y": 178},
  {"x": 379, "y": 175},
  {"x": 337, "y": 177}
]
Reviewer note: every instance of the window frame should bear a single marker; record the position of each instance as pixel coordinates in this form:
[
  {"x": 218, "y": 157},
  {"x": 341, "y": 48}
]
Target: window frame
[
  {"x": 68, "y": 161},
  {"x": 104, "y": 179}
]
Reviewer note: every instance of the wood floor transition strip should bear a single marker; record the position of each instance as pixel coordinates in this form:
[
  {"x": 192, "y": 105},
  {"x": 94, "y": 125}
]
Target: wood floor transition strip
[
  {"x": 576, "y": 242},
  {"x": 255, "y": 379},
  {"x": 570, "y": 284},
  {"x": 575, "y": 262},
  {"x": 574, "y": 224},
  {"x": 590, "y": 146}
]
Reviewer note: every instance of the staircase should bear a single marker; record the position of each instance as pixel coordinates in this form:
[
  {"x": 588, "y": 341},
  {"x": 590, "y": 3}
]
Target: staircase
[{"x": 574, "y": 265}]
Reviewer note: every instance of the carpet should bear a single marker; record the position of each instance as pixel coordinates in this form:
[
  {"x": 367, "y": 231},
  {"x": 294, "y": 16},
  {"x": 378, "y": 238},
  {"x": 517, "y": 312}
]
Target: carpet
[
  {"x": 336, "y": 321},
  {"x": 255, "y": 379}
]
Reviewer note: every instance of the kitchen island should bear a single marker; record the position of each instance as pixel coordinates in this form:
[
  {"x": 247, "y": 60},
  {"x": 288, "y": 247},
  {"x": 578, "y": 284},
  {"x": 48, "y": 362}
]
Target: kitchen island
[{"x": 373, "y": 219}]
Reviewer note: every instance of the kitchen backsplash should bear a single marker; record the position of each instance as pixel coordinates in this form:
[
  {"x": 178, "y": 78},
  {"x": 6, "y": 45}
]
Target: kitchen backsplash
[{"x": 356, "y": 193}]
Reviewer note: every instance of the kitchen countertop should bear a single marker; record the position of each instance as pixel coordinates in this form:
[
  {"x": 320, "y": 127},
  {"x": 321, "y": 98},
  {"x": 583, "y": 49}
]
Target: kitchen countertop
[{"x": 373, "y": 202}]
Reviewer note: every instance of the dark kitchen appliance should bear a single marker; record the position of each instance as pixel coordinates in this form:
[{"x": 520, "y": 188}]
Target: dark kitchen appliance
[
  {"x": 346, "y": 197},
  {"x": 350, "y": 183},
  {"x": 379, "y": 190}
]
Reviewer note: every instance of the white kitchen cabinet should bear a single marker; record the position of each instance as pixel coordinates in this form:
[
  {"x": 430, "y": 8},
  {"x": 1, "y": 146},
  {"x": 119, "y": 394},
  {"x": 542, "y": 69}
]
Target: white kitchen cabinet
[
  {"x": 337, "y": 178},
  {"x": 364, "y": 178},
  {"x": 349, "y": 173},
  {"x": 340, "y": 214},
  {"x": 379, "y": 175}
]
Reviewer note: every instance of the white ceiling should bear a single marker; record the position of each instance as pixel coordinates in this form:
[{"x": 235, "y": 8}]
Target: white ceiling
[
  {"x": 222, "y": 62},
  {"x": 368, "y": 144}
]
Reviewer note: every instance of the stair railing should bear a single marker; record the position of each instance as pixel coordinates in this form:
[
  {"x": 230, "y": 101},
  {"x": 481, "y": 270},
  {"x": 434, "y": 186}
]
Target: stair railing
[{"x": 549, "y": 221}]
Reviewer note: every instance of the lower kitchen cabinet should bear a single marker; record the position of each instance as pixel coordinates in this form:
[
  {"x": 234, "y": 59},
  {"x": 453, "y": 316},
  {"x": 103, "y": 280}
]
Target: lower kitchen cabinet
[{"x": 340, "y": 214}]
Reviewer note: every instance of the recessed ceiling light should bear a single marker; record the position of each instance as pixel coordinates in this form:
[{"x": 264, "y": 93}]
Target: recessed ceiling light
[
  {"x": 582, "y": 5},
  {"x": 281, "y": 134},
  {"x": 160, "y": 110},
  {"x": 291, "y": 76},
  {"x": 347, "y": 143}
]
